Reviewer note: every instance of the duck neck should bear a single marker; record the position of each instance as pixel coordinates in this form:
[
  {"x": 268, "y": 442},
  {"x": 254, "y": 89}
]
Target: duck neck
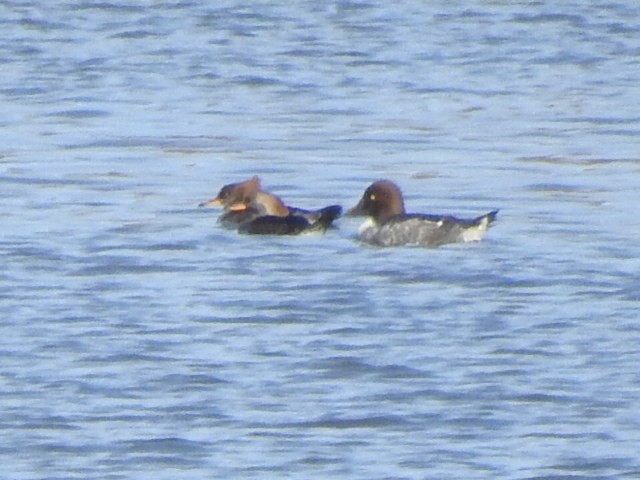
[{"x": 270, "y": 204}]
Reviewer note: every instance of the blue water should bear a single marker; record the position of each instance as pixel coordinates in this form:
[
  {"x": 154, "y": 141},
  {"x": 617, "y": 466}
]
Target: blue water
[{"x": 141, "y": 340}]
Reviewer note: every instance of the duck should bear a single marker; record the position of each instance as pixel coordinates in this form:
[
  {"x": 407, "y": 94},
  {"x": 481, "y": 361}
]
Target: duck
[
  {"x": 230, "y": 198},
  {"x": 388, "y": 224},
  {"x": 255, "y": 211}
]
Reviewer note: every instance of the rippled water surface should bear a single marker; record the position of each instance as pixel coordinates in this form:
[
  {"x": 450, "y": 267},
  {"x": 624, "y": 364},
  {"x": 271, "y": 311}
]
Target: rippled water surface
[{"x": 141, "y": 340}]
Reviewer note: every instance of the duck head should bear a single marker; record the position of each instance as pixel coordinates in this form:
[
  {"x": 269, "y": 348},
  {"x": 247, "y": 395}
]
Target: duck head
[
  {"x": 231, "y": 196},
  {"x": 381, "y": 201}
]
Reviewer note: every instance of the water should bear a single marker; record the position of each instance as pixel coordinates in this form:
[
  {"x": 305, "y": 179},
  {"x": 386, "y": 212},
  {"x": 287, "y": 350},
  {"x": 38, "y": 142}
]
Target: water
[{"x": 140, "y": 340}]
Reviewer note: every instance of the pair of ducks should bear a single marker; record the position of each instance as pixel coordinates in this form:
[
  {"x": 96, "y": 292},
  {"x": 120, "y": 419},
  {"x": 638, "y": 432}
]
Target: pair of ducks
[{"x": 254, "y": 211}]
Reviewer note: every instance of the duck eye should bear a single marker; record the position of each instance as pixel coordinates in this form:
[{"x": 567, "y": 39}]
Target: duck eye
[{"x": 372, "y": 196}]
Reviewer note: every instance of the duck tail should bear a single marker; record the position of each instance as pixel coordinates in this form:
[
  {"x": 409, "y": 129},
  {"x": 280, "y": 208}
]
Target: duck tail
[
  {"x": 326, "y": 217},
  {"x": 487, "y": 218},
  {"x": 331, "y": 212}
]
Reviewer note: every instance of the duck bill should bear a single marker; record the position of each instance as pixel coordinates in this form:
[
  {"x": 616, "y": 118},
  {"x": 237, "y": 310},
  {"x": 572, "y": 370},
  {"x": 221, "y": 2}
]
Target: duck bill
[
  {"x": 357, "y": 211},
  {"x": 238, "y": 207},
  {"x": 216, "y": 202}
]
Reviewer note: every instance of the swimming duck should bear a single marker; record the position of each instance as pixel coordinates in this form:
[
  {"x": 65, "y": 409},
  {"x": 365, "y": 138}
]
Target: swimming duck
[
  {"x": 389, "y": 225},
  {"x": 255, "y": 211},
  {"x": 232, "y": 198}
]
